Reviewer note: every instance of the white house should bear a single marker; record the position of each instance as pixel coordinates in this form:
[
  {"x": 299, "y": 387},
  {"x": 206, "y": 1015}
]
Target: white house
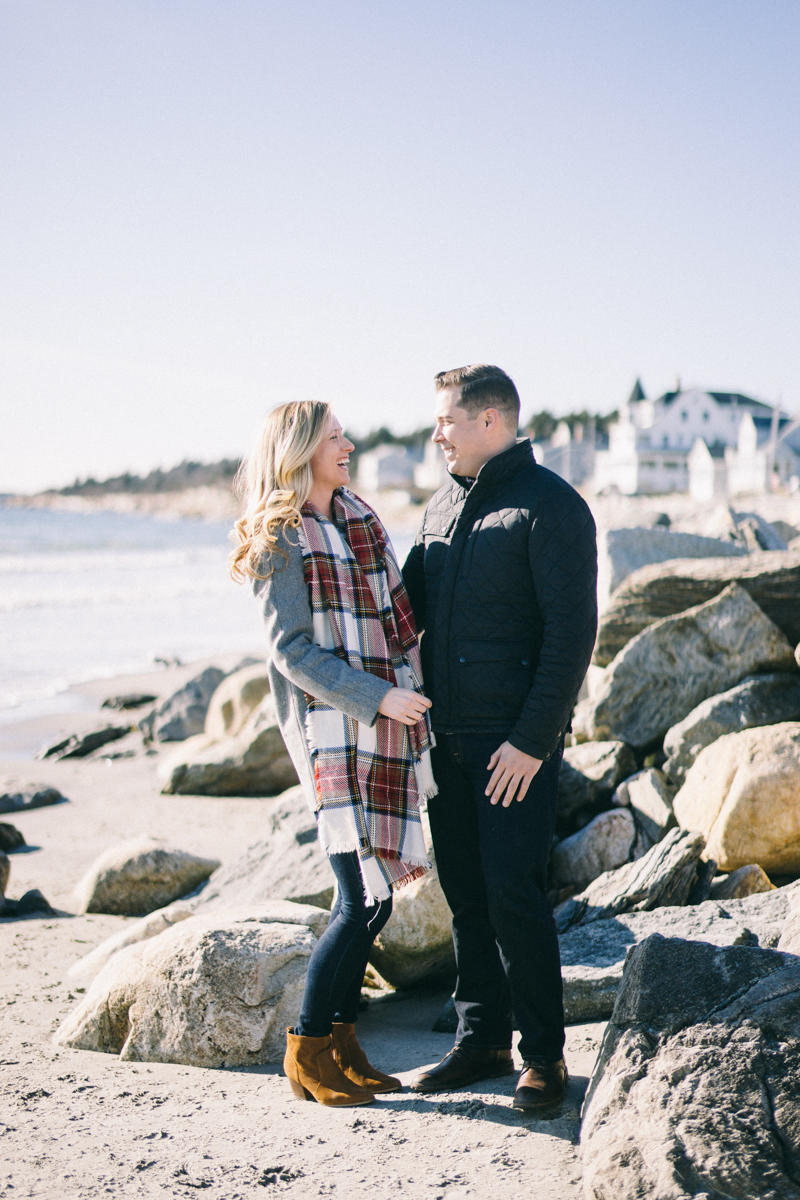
[
  {"x": 570, "y": 453},
  {"x": 651, "y": 446},
  {"x": 387, "y": 466}
]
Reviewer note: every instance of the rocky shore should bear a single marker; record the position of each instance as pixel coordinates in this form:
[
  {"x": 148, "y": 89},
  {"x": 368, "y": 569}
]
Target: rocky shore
[{"x": 180, "y": 888}]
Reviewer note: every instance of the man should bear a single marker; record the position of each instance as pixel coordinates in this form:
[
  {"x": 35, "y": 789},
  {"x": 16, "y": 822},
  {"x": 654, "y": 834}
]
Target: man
[{"x": 503, "y": 581}]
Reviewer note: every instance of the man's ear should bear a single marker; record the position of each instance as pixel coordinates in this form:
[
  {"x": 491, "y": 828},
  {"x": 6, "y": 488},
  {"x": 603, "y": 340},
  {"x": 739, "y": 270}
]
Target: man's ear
[{"x": 490, "y": 418}]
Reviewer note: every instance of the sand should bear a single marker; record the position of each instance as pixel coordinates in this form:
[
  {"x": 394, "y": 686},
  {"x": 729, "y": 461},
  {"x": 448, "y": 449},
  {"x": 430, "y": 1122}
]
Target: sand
[{"x": 79, "y": 1124}]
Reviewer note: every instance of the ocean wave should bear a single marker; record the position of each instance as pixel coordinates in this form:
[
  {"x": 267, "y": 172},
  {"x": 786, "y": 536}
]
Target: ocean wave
[
  {"x": 57, "y": 562},
  {"x": 124, "y": 593}
]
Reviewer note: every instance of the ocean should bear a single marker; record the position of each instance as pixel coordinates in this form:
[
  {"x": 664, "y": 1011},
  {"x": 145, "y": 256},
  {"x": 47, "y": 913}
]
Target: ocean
[{"x": 94, "y": 595}]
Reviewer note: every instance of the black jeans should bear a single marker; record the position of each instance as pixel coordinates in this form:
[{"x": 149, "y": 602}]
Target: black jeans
[
  {"x": 339, "y": 959},
  {"x": 492, "y": 864}
]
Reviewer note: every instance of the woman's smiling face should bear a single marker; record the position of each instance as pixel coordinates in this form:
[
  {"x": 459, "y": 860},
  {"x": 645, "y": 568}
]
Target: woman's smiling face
[{"x": 330, "y": 461}]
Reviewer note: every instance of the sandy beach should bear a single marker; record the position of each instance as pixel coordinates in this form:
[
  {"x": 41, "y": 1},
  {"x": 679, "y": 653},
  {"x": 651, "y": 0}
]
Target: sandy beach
[{"x": 81, "y": 1124}]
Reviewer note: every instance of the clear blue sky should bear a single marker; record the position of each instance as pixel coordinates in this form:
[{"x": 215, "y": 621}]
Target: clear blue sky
[{"x": 211, "y": 207}]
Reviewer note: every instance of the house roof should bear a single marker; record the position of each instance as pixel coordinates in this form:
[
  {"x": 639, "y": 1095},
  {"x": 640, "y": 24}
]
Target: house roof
[{"x": 637, "y": 394}]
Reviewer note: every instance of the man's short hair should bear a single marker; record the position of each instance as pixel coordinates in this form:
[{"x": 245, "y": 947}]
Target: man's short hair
[{"x": 483, "y": 387}]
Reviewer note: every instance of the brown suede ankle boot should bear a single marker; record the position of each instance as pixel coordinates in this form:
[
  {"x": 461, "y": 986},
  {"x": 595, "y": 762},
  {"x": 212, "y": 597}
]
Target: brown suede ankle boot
[
  {"x": 313, "y": 1073},
  {"x": 353, "y": 1061}
]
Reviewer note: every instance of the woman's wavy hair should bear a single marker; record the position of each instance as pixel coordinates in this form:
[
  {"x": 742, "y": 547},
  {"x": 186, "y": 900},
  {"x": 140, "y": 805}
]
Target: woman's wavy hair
[{"x": 274, "y": 482}]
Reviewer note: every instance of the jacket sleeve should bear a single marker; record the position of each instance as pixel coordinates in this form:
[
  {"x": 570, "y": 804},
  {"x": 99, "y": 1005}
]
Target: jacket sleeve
[
  {"x": 414, "y": 579},
  {"x": 286, "y": 609},
  {"x": 562, "y": 549}
]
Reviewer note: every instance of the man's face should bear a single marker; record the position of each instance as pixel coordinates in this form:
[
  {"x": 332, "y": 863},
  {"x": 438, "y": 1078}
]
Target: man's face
[{"x": 466, "y": 441}]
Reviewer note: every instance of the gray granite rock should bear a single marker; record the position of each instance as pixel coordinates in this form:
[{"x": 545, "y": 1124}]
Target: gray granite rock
[
  {"x": 589, "y": 774},
  {"x": 34, "y": 795},
  {"x": 287, "y": 864},
  {"x": 593, "y": 955},
  {"x": 675, "y": 664},
  {"x": 10, "y": 838},
  {"x": 696, "y": 1091},
  {"x": 649, "y": 798},
  {"x": 602, "y": 845},
  {"x": 623, "y": 551},
  {"x": 758, "y": 700},
  {"x": 664, "y": 876},
  {"x": 663, "y": 589},
  {"x": 137, "y": 876},
  {"x": 183, "y": 714}
]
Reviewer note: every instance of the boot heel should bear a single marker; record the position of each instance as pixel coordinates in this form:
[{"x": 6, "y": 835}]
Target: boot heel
[{"x": 299, "y": 1091}]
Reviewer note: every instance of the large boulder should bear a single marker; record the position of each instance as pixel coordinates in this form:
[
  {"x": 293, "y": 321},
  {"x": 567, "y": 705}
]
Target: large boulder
[
  {"x": 284, "y": 912},
  {"x": 235, "y": 700},
  {"x": 696, "y": 1090},
  {"x": 669, "y": 668},
  {"x": 602, "y": 845},
  {"x": 183, "y": 714},
  {"x": 80, "y": 745},
  {"x": 589, "y": 774},
  {"x": 742, "y": 795},
  {"x": 759, "y": 700},
  {"x": 137, "y": 876},
  {"x": 623, "y": 551},
  {"x": 593, "y": 955},
  {"x": 661, "y": 590},
  {"x": 254, "y": 762},
  {"x": 287, "y": 864},
  {"x": 649, "y": 797},
  {"x": 212, "y": 991},
  {"x": 10, "y": 838},
  {"x": 662, "y": 877},
  {"x": 416, "y": 943}
]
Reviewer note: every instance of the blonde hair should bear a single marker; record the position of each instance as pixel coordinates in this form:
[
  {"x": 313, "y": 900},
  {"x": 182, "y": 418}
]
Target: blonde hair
[{"x": 274, "y": 482}]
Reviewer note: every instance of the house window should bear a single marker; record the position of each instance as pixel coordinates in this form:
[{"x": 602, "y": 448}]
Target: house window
[
  {"x": 665, "y": 440},
  {"x": 684, "y": 415},
  {"x": 705, "y": 416},
  {"x": 671, "y": 466}
]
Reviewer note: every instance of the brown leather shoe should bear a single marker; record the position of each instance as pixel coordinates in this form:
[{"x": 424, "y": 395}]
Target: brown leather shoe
[
  {"x": 355, "y": 1064},
  {"x": 541, "y": 1085},
  {"x": 314, "y": 1074},
  {"x": 463, "y": 1065}
]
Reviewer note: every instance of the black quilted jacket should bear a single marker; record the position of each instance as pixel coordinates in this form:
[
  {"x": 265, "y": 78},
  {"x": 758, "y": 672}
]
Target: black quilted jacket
[{"x": 503, "y": 580}]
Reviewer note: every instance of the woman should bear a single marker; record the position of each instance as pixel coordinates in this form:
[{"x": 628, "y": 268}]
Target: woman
[{"x": 346, "y": 680}]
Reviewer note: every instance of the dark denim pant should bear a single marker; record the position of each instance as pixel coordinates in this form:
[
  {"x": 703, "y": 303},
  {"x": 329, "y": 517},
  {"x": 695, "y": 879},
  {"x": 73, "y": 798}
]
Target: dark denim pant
[
  {"x": 339, "y": 959},
  {"x": 492, "y": 864}
]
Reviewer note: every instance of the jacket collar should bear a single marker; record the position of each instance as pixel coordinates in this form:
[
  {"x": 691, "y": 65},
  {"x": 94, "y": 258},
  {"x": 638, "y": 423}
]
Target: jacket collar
[{"x": 501, "y": 466}]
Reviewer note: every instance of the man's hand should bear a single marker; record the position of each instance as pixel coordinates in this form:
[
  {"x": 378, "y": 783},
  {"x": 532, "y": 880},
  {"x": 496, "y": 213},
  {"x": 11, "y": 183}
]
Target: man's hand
[
  {"x": 511, "y": 770},
  {"x": 402, "y": 704}
]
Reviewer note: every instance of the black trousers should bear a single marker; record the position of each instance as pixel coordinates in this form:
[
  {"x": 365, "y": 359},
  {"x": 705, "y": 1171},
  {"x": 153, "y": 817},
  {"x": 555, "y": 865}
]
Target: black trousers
[
  {"x": 492, "y": 864},
  {"x": 339, "y": 959}
]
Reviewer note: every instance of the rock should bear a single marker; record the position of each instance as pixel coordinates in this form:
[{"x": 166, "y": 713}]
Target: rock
[
  {"x": 663, "y": 589},
  {"x": 589, "y": 774},
  {"x": 282, "y": 911},
  {"x": 669, "y": 668},
  {"x": 416, "y": 943},
  {"x": 649, "y": 798},
  {"x": 30, "y": 904},
  {"x": 288, "y": 864},
  {"x": 663, "y": 877},
  {"x": 605, "y": 843},
  {"x": 593, "y": 955},
  {"x": 137, "y": 876},
  {"x": 211, "y": 991},
  {"x": 10, "y": 838},
  {"x": 623, "y": 551},
  {"x": 758, "y": 534},
  {"x": 183, "y": 714},
  {"x": 741, "y": 794},
  {"x": 235, "y": 700},
  {"x": 5, "y": 871},
  {"x": 789, "y": 941},
  {"x": 81, "y": 744},
  {"x": 696, "y": 1090},
  {"x": 254, "y": 762},
  {"x": 129, "y": 700},
  {"x": 759, "y": 700},
  {"x": 747, "y": 881},
  {"x": 36, "y": 795}
]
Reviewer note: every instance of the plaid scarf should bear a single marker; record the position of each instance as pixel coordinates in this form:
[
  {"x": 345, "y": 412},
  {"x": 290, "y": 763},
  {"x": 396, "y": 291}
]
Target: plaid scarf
[{"x": 369, "y": 778}]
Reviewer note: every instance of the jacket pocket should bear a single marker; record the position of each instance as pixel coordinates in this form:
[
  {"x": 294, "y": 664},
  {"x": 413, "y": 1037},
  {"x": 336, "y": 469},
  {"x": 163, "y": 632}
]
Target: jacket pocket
[{"x": 492, "y": 678}]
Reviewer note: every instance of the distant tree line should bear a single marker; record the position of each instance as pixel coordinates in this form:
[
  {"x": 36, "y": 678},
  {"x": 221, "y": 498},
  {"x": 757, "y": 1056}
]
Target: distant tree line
[{"x": 188, "y": 474}]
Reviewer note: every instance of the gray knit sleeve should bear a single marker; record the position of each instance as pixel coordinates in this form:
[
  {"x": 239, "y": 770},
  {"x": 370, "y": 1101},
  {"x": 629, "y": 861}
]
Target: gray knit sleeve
[{"x": 286, "y": 610}]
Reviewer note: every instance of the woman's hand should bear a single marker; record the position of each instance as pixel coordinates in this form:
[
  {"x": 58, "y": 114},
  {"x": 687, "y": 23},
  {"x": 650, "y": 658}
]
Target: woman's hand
[{"x": 401, "y": 704}]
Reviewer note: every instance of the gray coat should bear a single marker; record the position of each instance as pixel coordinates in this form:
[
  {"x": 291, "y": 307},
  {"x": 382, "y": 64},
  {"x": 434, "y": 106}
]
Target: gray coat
[{"x": 296, "y": 665}]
